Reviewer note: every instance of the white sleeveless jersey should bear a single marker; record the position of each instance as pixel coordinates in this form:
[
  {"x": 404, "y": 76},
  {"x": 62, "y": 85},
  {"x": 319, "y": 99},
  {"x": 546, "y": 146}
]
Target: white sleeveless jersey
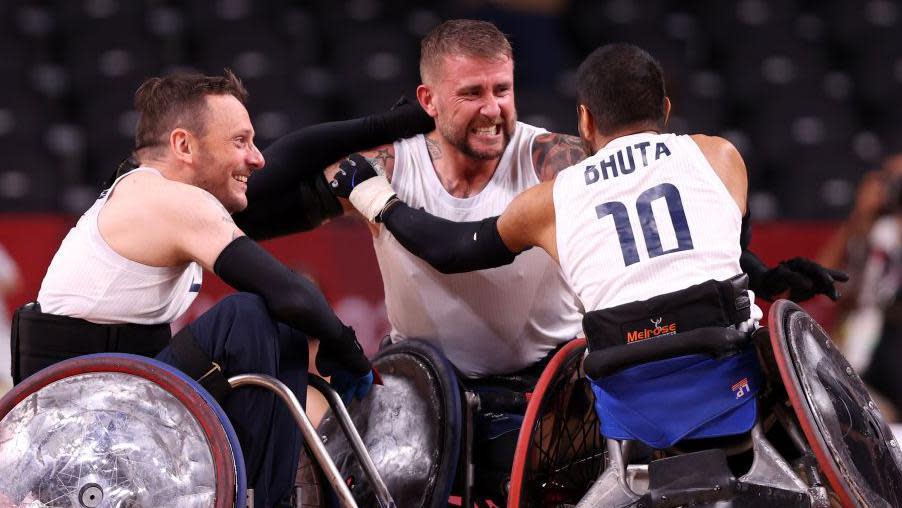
[
  {"x": 646, "y": 215},
  {"x": 87, "y": 279},
  {"x": 489, "y": 321}
]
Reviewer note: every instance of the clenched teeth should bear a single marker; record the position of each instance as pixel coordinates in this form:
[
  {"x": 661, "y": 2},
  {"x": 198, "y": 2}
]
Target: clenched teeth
[
  {"x": 240, "y": 178},
  {"x": 487, "y": 131}
]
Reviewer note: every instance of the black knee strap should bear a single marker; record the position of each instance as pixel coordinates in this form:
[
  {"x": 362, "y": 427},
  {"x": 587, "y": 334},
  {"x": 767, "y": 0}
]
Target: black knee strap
[{"x": 192, "y": 360}]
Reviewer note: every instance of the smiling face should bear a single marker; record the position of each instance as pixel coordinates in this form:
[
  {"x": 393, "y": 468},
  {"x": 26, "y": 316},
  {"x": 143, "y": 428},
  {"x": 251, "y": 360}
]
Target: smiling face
[
  {"x": 472, "y": 100},
  {"x": 226, "y": 152}
]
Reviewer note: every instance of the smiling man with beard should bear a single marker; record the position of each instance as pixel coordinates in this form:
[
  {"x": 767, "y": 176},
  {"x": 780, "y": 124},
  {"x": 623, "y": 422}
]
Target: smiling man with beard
[{"x": 133, "y": 264}]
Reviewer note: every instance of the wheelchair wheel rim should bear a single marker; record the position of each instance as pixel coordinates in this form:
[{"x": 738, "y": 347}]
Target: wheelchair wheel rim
[
  {"x": 853, "y": 447},
  {"x": 113, "y": 455},
  {"x": 544, "y": 472},
  {"x": 401, "y": 473}
]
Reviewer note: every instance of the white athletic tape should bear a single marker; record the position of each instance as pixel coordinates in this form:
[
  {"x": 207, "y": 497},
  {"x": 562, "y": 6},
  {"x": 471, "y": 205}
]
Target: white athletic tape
[
  {"x": 751, "y": 324},
  {"x": 371, "y": 196}
]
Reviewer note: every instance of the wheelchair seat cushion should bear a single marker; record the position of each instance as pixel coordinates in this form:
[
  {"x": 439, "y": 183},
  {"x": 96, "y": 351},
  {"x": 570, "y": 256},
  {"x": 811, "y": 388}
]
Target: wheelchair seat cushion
[{"x": 687, "y": 397}]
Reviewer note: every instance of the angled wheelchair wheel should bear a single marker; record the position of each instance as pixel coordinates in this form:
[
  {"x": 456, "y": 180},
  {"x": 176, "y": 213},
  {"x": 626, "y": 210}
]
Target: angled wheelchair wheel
[
  {"x": 410, "y": 425},
  {"x": 311, "y": 487},
  {"x": 560, "y": 451},
  {"x": 854, "y": 448},
  {"x": 116, "y": 430}
]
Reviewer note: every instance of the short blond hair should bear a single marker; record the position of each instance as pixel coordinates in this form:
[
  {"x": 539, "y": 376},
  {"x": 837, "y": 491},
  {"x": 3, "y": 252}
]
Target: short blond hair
[{"x": 467, "y": 37}]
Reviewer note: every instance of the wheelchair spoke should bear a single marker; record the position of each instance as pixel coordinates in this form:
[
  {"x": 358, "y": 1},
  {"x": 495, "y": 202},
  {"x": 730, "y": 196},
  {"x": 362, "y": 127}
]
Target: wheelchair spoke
[{"x": 567, "y": 452}]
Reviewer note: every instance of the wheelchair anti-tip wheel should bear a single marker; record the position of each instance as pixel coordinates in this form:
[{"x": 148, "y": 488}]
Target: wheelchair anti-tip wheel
[
  {"x": 560, "y": 451},
  {"x": 116, "y": 430},
  {"x": 410, "y": 425}
]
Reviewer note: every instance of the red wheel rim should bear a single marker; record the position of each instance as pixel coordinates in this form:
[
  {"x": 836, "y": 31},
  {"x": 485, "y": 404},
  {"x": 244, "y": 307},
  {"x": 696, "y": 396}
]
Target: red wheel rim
[{"x": 527, "y": 431}]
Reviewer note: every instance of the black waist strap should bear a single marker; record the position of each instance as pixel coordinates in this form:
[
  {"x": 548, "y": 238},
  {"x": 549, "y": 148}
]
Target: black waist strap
[
  {"x": 39, "y": 340},
  {"x": 709, "y": 304}
]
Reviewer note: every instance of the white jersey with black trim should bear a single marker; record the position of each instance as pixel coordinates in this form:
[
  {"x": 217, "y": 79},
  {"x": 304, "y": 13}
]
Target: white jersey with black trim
[
  {"x": 646, "y": 215},
  {"x": 87, "y": 279},
  {"x": 489, "y": 321}
]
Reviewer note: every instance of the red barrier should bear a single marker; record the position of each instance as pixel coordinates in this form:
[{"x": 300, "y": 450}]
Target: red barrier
[{"x": 339, "y": 256}]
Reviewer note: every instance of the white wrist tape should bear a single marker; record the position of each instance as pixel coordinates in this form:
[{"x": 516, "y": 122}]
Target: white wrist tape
[{"x": 371, "y": 196}]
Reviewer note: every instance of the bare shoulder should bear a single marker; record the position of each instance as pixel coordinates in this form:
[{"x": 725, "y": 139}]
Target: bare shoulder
[
  {"x": 161, "y": 222},
  {"x": 727, "y": 163},
  {"x": 718, "y": 150},
  {"x": 553, "y": 152}
]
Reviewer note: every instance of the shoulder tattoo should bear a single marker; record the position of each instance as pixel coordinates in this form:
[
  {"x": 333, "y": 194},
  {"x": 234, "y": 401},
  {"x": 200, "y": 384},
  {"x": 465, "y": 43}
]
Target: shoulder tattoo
[
  {"x": 378, "y": 161},
  {"x": 552, "y": 153}
]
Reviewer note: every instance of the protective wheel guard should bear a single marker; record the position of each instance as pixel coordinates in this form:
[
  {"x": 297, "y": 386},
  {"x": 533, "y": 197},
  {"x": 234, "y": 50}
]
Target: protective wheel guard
[
  {"x": 411, "y": 426},
  {"x": 116, "y": 430},
  {"x": 853, "y": 445}
]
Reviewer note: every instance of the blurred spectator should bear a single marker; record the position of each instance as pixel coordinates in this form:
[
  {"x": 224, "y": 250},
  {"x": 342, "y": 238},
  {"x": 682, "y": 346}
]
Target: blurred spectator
[
  {"x": 9, "y": 282},
  {"x": 869, "y": 246}
]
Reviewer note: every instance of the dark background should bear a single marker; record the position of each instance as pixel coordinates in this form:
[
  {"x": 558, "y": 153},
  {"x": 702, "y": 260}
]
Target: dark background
[{"x": 808, "y": 90}]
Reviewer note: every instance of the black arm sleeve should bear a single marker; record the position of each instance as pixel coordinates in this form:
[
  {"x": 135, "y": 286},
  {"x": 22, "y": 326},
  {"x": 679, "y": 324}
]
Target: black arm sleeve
[
  {"x": 745, "y": 235},
  {"x": 748, "y": 261},
  {"x": 450, "y": 247},
  {"x": 294, "y": 161},
  {"x": 291, "y": 299},
  {"x": 292, "y": 209},
  {"x": 755, "y": 268}
]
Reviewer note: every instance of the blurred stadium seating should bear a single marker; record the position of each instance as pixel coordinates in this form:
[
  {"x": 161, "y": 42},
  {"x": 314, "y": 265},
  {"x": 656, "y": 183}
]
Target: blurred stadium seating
[{"x": 810, "y": 91}]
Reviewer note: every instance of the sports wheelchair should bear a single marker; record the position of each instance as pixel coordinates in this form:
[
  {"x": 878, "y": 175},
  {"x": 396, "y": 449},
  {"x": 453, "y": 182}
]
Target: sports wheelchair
[
  {"x": 419, "y": 429},
  {"x": 120, "y": 430},
  {"x": 818, "y": 440}
]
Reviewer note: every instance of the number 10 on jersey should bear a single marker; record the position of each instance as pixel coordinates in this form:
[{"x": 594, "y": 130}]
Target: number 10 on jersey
[{"x": 647, "y": 222}]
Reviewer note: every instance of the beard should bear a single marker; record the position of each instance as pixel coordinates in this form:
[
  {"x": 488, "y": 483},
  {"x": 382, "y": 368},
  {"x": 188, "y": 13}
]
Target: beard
[
  {"x": 460, "y": 139},
  {"x": 219, "y": 187}
]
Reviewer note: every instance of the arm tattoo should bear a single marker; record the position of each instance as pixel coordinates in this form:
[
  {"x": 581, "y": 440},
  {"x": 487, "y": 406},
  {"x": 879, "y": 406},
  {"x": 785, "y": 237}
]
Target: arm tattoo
[
  {"x": 551, "y": 153},
  {"x": 378, "y": 161},
  {"x": 435, "y": 151}
]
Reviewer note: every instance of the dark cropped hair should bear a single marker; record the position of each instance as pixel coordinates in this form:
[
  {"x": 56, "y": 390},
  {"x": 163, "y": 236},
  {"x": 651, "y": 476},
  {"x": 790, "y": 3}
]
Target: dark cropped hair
[
  {"x": 467, "y": 37},
  {"x": 621, "y": 85},
  {"x": 178, "y": 101}
]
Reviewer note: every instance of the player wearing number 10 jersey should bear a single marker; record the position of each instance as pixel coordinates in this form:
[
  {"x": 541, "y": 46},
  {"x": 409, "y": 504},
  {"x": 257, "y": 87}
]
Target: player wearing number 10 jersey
[{"x": 648, "y": 214}]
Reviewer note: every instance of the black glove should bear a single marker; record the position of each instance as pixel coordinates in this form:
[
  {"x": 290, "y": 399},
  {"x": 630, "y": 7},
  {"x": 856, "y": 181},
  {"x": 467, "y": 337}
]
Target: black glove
[
  {"x": 801, "y": 276},
  {"x": 351, "y": 172},
  {"x": 344, "y": 354}
]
